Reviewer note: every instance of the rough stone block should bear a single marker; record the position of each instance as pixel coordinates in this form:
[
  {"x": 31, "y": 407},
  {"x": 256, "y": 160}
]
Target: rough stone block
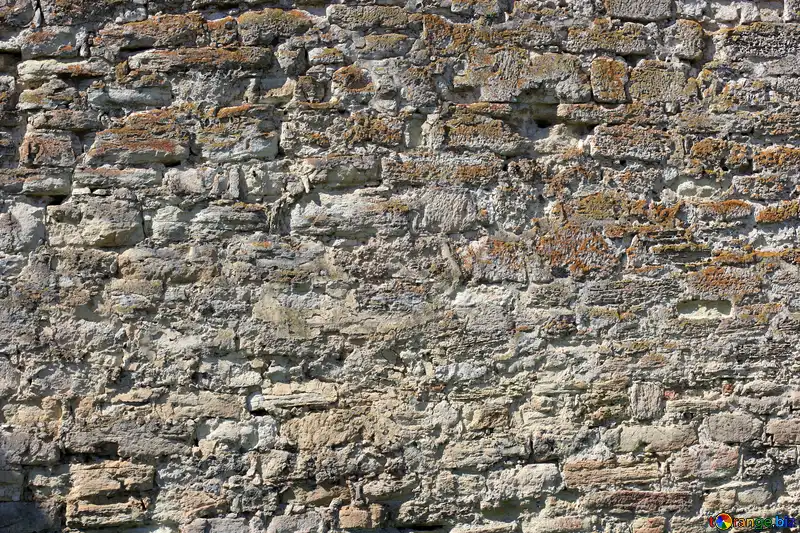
[
  {"x": 685, "y": 39},
  {"x": 161, "y": 31},
  {"x": 784, "y": 432},
  {"x": 706, "y": 462},
  {"x": 299, "y": 523},
  {"x": 625, "y": 142},
  {"x": 658, "y": 439},
  {"x": 640, "y": 501},
  {"x": 49, "y": 149},
  {"x": 109, "y": 478},
  {"x": 646, "y": 400},
  {"x": 95, "y": 221},
  {"x": 354, "y": 517},
  {"x": 522, "y": 484},
  {"x": 639, "y": 10},
  {"x": 604, "y": 35},
  {"x": 655, "y": 82},
  {"x": 259, "y": 28},
  {"x": 591, "y": 473},
  {"x": 733, "y": 428},
  {"x": 608, "y": 80}
]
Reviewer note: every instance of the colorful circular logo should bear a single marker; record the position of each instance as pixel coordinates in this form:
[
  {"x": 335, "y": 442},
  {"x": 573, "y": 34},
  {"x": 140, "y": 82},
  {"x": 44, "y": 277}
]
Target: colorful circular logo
[{"x": 721, "y": 521}]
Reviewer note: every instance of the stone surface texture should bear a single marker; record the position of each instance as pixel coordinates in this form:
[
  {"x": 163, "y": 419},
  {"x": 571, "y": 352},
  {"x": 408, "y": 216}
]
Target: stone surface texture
[{"x": 454, "y": 266}]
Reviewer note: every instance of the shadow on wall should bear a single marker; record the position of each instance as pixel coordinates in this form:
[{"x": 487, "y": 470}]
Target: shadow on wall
[{"x": 16, "y": 514}]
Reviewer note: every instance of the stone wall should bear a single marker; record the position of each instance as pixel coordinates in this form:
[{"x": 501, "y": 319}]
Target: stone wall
[{"x": 461, "y": 266}]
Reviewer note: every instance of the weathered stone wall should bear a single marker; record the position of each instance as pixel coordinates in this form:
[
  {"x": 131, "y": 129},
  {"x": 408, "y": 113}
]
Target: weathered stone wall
[{"x": 466, "y": 266}]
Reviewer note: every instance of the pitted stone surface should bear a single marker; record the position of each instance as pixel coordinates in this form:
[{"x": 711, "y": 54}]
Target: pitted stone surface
[{"x": 465, "y": 266}]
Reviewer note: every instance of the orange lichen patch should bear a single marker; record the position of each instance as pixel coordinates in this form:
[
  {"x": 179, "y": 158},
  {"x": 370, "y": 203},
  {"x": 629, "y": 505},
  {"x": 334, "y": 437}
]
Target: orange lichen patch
[
  {"x": 222, "y": 24},
  {"x": 353, "y": 79},
  {"x": 712, "y": 153},
  {"x": 748, "y": 256},
  {"x": 315, "y": 137},
  {"x": 581, "y": 250},
  {"x": 471, "y": 173},
  {"x": 154, "y": 135},
  {"x": 507, "y": 251},
  {"x": 725, "y": 210},
  {"x": 777, "y": 123},
  {"x": 106, "y": 146},
  {"x": 39, "y": 149},
  {"x": 709, "y": 149},
  {"x": 657, "y": 217},
  {"x": 368, "y": 128},
  {"x": 608, "y": 80},
  {"x": 159, "y": 31},
  {"x": 734, "y": 257},
  {"x": 777, "y": 158},
  {"x": 724, "y": 282},
  {"x": 41, "y": 36},
  {"x": 234, "y": 111},
  {"x": 773, "y": 214},
  {"x": 664, "y": 214},
  {"x": 155, "y": 122},
  {"x": 463, "y": 127},
  {"x": 448, "y": 38},
  {"x": 610, "y": 205},
  {"x": 562, "y": 181}
]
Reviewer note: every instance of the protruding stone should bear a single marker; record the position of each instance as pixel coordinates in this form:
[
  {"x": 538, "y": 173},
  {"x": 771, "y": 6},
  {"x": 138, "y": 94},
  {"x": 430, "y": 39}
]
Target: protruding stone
[{"x": 646, "y": 10}]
